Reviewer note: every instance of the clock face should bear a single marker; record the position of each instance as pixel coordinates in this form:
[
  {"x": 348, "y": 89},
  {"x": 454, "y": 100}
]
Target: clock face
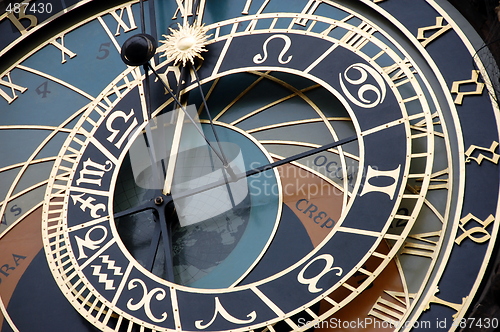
[{"x": 276, "y": 165}]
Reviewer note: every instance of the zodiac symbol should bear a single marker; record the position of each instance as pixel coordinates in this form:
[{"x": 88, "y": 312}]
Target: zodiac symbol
[
  {"x": 259, "y": 58},
  {"x": 158, "y": 293},
  {"x": 364, "y": 70}
]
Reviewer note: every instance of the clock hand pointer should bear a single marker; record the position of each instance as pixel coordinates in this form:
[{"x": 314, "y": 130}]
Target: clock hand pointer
[
  {"x": 167, "y": 199},
  {"x": 166, "y": 232},
  {"x": 224, "y": 161},
  {"x": 177, "y": 101},
  {"x": 267, "y": 167},
  {"x": 172, "y": 160},
  {"x": 136, "y": 51}
]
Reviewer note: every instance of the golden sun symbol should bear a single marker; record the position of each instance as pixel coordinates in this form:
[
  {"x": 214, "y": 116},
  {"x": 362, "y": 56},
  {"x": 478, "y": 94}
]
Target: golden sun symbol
[{"x": 185, "y": 44}]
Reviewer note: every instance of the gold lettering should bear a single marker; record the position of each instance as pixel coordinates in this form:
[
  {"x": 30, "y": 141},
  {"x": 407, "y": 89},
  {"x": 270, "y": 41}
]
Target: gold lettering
[
  {"x": 455, "y": 306},
  {"x": 426, "y": 249},
  {"x": 455, "y": 88},
  {"x": 439, "y": 28},
  {"x": 390, "y": 190},
  {"x": 92, "y": 172},
  {"x": 494, "y": 159},
  {"x": 439, "y": 180},
  {"x": 422, "y": 125},
  {"x": 390, "y": 311},
  {"x": 185, "y": 7},
  {"x": 220, "y": 310},
  {"x": 468, "y": 233},
  {"x": 116, "y": 132},
  {"x": 246, "y": 9},
  {"x": 397, "y": 72},
  {"x": 13, "y": 87},
  {"x": 33, "y": 20},
  {"x": 121, "y": 23},
  {"x": 64, "y": 50},
  {"x": 358, "y": 40}
]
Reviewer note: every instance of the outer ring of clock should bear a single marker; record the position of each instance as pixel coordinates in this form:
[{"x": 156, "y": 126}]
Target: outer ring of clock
[{"x": 152, "y": 317}]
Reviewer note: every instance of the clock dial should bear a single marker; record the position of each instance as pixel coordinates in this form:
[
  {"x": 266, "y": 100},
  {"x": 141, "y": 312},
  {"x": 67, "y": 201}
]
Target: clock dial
[{"x": 287, "y": 165}]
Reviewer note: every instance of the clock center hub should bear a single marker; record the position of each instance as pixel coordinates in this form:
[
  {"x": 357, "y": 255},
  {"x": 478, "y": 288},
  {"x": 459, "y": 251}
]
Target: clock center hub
[{"x": 186, "y": 43}]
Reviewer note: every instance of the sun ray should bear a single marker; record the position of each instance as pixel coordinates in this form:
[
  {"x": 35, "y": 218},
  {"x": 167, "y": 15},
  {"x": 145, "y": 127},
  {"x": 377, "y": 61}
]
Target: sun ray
[{"x": 185, "y": 44}]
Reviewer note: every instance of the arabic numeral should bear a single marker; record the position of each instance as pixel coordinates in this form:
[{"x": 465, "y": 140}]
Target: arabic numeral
[
  {"x": 24, "y": 7},
  {"x": 16, "y": 7},
  {"x": 103, "y": 51},
  {"x": 41, "y": 8},
  {"x": 477, "y": 322}
]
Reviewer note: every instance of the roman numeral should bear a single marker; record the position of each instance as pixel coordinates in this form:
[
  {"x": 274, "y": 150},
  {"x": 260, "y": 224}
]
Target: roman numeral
[
  {"x": 479, "y": 159},
  {"x": 455, "y": 306},
  {"x": 175, "y": 70},
  {"x": 58, "y": 42},
  {"x": 248, "y": 4},
  {"x": 7, "y": 82},
  {"x": 390, "y": 310},
  {"x": 397, "y": 72},
  {"x": 439, "y": 180},
  {"x": 438, "y": 29},
  {"x": 422, "y": 125},
  {"x": 118, "y": 16},
  {"x": 425, "y": 247},
  {"x": 390, "y": 189},
  {"x": 357, "y": 40},
  {"x": 185, "y": 7},
  {"x": 310, "y": 8}
]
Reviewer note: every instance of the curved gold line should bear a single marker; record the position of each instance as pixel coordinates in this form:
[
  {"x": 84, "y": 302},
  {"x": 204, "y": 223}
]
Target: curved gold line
[
  {"x": 276, "y": 102},
  {"x": 297, "y": 122},
  {"x": 6, "y": 316},
  {"x": 33, "y": 127},
  {"x": 318, "y": 111},
  {"x": 22, "y": 192},
  {"x": 38, "y": 26},
  {"x": 244, "y": 92},
  {"x": 34, "y": 162},
  {"x": 56, "y": 80},
  {"x": 28, "y": 162}
]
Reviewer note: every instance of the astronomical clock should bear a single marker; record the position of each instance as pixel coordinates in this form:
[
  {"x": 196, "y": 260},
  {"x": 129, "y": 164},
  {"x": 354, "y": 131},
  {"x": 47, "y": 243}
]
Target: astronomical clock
[{"x": 245, "y": 165}]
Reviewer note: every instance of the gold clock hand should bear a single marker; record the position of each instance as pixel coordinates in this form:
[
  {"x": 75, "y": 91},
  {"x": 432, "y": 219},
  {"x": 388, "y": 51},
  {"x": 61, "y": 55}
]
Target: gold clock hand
[
  {"x": 183, "y": 109},
  {"x": 174, "y": 151}
]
